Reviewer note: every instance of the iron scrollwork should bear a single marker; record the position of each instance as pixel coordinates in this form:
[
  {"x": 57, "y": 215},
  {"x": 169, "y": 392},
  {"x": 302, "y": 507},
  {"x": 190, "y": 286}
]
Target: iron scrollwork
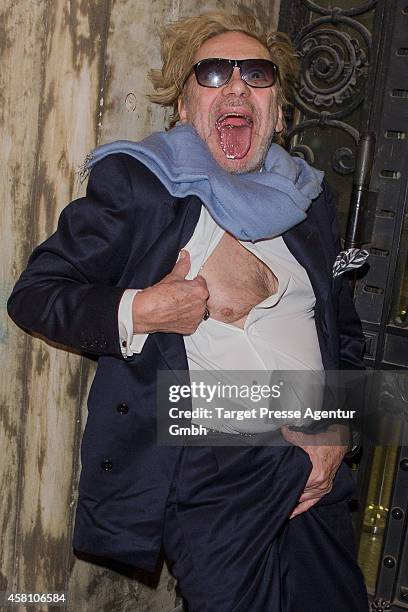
[
  {"x": 333, "y": 77},
  {"x": 343, "y": 158},
  {"x": 334, "y": 69},
  {"x": 351, "y": 12}
]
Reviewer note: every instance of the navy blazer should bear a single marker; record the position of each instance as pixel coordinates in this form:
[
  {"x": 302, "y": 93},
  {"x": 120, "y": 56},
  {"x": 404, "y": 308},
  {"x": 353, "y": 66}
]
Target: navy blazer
[{"x": 127, "y": 232}]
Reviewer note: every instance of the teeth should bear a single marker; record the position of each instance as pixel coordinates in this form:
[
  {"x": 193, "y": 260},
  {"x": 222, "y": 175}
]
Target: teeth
[{"x": 247, "y": 118}]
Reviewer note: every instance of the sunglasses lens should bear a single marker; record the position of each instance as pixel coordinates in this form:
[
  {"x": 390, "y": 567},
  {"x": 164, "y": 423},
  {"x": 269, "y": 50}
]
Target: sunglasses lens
[
  {"x": 216, "y": 72},
  {"x": 213, "y": 72},
  {"x": 258, "y": 73}
]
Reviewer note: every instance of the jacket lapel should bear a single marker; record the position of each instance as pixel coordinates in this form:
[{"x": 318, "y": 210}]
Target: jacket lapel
[
  {"x": 305, "y": 243},
  {"x": 171, "y": 346}
]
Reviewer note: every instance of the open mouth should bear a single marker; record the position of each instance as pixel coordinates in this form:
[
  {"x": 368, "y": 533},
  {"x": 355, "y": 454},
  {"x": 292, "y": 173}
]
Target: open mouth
[{"x": 235, "y": 132}]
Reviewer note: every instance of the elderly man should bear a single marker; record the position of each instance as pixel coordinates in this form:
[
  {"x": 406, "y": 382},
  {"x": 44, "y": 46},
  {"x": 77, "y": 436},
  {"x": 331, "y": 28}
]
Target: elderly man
[{"x": 206, "y": 247}]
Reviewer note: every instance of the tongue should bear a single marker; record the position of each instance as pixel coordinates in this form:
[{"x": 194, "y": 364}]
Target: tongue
[{"x": 235, "y": 137}]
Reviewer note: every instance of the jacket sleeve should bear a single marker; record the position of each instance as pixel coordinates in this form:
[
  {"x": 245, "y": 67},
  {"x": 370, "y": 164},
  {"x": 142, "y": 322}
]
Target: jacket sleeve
[{"x": 68, "y": 291}]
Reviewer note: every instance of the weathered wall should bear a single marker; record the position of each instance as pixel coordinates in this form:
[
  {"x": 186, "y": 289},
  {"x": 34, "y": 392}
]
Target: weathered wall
[{"x": 73, "y": 74}]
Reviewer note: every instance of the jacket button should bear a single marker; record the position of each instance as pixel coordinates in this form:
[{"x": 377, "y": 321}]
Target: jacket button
[
  {"x": 123, "y": 408},
  {"x": 107, "y": 465}
]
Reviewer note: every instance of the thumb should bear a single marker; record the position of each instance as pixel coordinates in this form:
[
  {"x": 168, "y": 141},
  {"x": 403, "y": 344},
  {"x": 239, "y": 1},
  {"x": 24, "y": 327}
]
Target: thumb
[{"x": 182, "y": 265}]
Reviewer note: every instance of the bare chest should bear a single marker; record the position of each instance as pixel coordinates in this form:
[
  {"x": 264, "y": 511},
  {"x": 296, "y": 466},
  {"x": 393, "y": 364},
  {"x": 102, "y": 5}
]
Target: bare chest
[{"x": 237, "y": 281}]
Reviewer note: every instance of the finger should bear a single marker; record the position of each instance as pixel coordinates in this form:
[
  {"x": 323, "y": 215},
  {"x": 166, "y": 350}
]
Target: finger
[
  {"x": 201, "y": 283},
  {"x": 319, "y": 482},
  {"x": 182, "y": 265},
  {"x": 314, "y": 493},
  {"x": 303, "y": 507},
  {"x": 201, "y": 279},
  {"x": 318, "y": 485}
]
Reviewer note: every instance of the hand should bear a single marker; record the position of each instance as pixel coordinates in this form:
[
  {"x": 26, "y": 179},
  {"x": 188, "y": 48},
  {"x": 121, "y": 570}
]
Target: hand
[
  {"x": 173, "y": 305},
  {"x": 325, "y": 460}
]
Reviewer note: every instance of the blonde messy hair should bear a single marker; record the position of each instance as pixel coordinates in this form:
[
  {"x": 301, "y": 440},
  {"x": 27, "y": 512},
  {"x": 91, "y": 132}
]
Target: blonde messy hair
[{"x": 181, "y": 40}]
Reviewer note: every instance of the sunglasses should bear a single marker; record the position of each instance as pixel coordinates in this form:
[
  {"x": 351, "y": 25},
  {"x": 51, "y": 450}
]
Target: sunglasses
[{"x": 216, "y": 72}]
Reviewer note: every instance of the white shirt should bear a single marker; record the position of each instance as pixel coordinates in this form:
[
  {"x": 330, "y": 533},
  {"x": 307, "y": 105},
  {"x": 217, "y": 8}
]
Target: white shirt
[{"x": 279, "y": 332}]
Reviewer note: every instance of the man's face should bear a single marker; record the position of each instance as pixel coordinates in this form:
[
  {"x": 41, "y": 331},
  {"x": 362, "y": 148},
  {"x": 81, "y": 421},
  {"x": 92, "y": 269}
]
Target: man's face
[{"x": 255, "y": 112}]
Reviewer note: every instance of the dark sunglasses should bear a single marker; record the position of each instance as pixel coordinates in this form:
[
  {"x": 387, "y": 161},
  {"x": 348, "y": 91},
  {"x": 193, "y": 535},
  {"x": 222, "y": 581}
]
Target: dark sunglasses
[{"x": 217, "y": 71}]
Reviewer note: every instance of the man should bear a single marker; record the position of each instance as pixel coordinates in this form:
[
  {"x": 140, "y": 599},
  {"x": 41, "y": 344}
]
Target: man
[{"x": 150, "y": 281}]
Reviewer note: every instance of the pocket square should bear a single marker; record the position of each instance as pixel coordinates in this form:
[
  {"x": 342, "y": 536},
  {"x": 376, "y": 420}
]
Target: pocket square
[{"x": 349, "y": 260}]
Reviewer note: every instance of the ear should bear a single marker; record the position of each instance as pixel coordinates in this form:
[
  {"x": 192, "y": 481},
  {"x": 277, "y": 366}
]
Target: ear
[
  {"x": 279, "y": 121},
  {"x": 182, "y": 110}
]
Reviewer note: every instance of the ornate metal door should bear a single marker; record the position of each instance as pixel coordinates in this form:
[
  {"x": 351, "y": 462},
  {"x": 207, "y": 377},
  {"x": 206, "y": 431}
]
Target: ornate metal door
[{"x": 354, "y": 80}]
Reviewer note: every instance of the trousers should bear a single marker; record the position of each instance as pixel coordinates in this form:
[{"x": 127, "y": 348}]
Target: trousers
[{"x": 232, "y": 547}]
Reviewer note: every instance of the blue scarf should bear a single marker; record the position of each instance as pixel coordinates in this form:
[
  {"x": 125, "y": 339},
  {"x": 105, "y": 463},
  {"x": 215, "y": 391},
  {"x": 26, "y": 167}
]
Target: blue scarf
[{"x": 251, "y": 206}]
